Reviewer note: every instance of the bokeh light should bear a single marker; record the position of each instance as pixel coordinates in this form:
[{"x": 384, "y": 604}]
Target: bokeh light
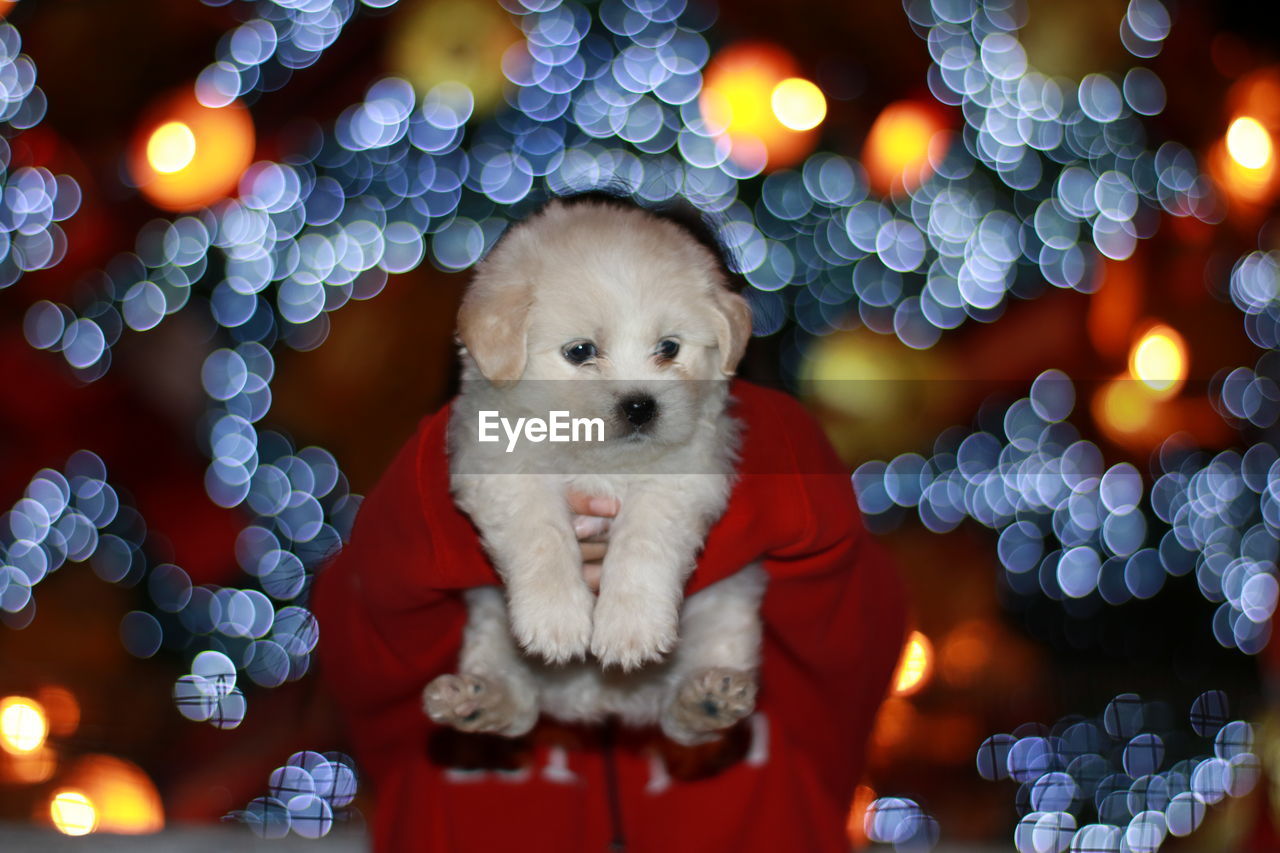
[
  {"x": 897, "y": 150},
  {"x": 1113, "y": 782},
  {"x": 901, "y": 822},
  {"x": 172, "y": 147},
  {"x": 72, "y": 812},
  {"x": 1159, "y": 360},
  {"x": 453, "y": 41},
  {"x": 61, "y": 709},
  {"x": 1249, "y": 143},
  {"x": 30, "y": 768},
  {"x": 1125, "y": 406},
  {"x": 23, "y": 725},
  {"x": 915, "y": 667},
  {"x": 798, "y": 103},
  {"x": 855, "y": 827},
  {"x": 186, "y": 155},
  {"x": 739, "y": 108},
  {"x": 1045, "y": 178},
  {"x": 1244, "y": 162},
  {"x": 124, "y": 799},
  {"x": 304, "y": 795}
]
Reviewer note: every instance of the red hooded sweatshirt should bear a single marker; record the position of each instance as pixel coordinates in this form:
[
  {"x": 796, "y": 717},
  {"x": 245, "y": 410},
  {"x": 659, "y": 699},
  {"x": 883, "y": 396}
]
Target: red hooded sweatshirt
[{"x": 391, "y": 618}]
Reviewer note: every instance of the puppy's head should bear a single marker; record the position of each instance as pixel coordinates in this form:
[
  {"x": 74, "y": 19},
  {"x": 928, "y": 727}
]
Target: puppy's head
[{"x": 601, "y": 289}]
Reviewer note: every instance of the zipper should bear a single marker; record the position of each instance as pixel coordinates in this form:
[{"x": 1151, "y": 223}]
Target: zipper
[{"x": 618, "y": 842}]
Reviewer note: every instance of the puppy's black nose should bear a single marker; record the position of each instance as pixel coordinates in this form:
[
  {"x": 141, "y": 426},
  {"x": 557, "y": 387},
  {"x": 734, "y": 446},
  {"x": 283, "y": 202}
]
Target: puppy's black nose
[{"x": 639, "y": 409}]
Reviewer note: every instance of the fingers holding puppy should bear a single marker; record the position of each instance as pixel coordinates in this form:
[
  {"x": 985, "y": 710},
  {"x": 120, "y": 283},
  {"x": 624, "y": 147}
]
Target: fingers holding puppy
[{"x": 592, "y": 519}]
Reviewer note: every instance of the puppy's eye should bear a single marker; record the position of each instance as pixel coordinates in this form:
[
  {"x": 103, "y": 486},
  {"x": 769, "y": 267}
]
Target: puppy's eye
[
  {"x": 581, "y": 352},
  {"x": 668, "y": 349}
]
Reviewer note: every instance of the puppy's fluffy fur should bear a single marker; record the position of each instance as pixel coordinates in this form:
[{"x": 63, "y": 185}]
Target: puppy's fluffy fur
[{"x": 627, "y": 283}]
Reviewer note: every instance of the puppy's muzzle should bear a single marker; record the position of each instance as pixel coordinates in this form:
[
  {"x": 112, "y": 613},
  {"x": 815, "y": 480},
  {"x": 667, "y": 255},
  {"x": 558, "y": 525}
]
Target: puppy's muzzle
[{"x": 638, "y": 409}]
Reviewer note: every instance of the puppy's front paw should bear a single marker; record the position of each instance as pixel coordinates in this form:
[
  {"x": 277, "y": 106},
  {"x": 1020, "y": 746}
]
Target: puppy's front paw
[
  {"x": 553, "y": 624},
  {"x": 630, "y": 631},
  {"x": 706, "y": 702},
  {"x": 472, "y": 703}
]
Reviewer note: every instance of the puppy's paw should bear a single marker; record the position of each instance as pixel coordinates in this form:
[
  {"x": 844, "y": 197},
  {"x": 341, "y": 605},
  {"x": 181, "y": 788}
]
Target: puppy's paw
[
  {"x": 553, "y": 624},
  {"x": 473, "y": 703},
  {"x": 706, "y": 702},
  {"x": 631, "y": 632}
]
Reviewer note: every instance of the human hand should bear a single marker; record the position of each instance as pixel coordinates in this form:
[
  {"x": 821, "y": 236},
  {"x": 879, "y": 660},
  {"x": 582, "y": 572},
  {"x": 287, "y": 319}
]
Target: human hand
[{"x": 592, "y": 517}]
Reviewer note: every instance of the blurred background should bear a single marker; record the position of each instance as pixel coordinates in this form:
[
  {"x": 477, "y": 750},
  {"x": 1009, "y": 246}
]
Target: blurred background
[{"x": 1022, "y": 258}]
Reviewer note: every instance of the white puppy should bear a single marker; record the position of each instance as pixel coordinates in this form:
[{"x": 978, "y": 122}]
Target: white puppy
[{"x": 600, "y": 308}]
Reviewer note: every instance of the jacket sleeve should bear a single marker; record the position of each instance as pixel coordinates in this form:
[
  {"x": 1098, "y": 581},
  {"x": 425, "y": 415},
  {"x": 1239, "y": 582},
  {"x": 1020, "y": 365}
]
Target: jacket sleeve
[
  {"x": 793, "y": 501},
  {"x": 390, "y": 618}
]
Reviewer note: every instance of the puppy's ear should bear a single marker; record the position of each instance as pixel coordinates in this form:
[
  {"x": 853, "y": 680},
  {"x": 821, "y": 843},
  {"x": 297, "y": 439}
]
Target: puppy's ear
[
  {"x": 493, "y": 323},
  {"x": 733, "y": 328}
]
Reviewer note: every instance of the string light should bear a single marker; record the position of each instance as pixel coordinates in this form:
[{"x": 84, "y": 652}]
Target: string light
[
  {"x": 305, "y": 795},
  {"x": 1101, "y": 783},
  {"x": 35, "y": 200}
]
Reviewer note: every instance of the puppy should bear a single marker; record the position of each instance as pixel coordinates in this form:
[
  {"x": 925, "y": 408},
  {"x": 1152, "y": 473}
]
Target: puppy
[{"x": 598, "y": 307}]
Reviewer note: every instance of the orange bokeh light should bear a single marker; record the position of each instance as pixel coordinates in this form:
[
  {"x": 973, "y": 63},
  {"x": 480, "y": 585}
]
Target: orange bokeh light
[
  {"x": 914, "y": 667},
  {"x": 124, "y": 798},
  {"x": 897, "y": 150},
  {"x": 185, "y": 155},
  {"x": 966, "y": 651},
  {"x": 29, "y": 768},
  {"x": 1158, "y": 360},
  {"x": 1124, "y": 406},
  {"x": 62, "y": 709},
  {"x": 855, "y": 827},
  {"x": 737, "y": 103},
  {"x": 23, "y": 725},
  {"x": 895, "y": 723},
  {"x": 1243, "y": 160}
]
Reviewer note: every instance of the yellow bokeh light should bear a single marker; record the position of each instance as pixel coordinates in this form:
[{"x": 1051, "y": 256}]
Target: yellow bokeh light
[
  {"x": 186, "y": 155},
  {"x": 124, "y": 798},
  {"x": 915, "y": 667},
  {"x": 798, "y": 104},
  {"x": 1248, "y": 143},
  {"x": 896, "y": 153},
  {"x": 171, "y": 147},
  {"x": 738, "y": 105},
  {"x": 1159, "y": 360},
  {"x": 73, "y": 813},
  {"x": 1124, "y": 406},
  {"x": 455, "y": 41},
  {"x": 23, "y": 725}
]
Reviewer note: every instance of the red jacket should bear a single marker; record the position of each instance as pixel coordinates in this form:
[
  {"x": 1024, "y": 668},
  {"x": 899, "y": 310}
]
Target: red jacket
[{"x": 391, "y": 618}]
